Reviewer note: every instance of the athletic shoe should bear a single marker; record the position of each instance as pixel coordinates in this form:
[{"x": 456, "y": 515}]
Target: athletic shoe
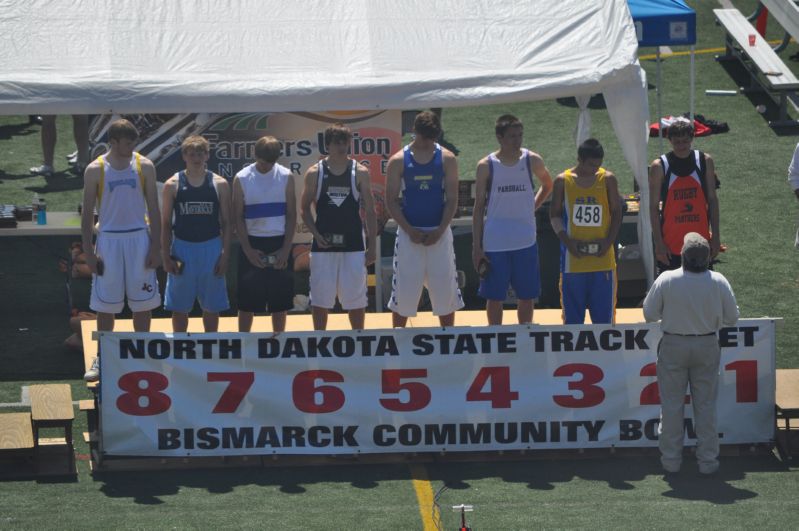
[
  {"x": 44, "y": 169},
  {"x": 72, "y": 158},
  {"x": 78, "y": 169},
  {"x": 93, "y": 374}
]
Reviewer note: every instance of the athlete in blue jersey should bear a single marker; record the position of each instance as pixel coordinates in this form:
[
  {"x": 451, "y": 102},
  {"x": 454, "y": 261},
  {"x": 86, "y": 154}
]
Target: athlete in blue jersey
[
  {"x": 196, "y": 258},
  {"x": 422, "y": 195}
]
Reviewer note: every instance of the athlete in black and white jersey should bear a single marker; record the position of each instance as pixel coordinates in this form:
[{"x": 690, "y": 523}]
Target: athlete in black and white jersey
[{"x": 336, "y": 188}]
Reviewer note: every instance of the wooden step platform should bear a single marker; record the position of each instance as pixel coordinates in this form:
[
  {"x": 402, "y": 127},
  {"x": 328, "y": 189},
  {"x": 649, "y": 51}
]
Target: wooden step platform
[
  {"x": 51, "y": 407},
  {"x": 787, "y": 408},
  {"x": 16, "y": 432},
  {"x": 17, "y": 451}
]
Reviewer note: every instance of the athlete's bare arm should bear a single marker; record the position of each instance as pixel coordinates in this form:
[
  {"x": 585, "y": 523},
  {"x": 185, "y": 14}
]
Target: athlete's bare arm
[
  {"x": 153, "y": 213},
  {"x": 614, "y": 204},
  {"x": 225, "y": 226},
  {"x": 168, "y": 204},
  {"x": 254, "y": 256},
  {"x": 308, "y": 200},
  {"x": 655, "y": 182},
  {"x": 367, "y": 200},
  {"x": 291, "y": 226},
  {"x": 556, "y": 216},
  {"x": 393, "y": 199},
  {"x": 478, "y": 214},
  {"x": 712, "y": 205},
  {"x": 91, "y": 178},
  {"x": 544, "y": 177},
  {"x": 451, "y": 196}
]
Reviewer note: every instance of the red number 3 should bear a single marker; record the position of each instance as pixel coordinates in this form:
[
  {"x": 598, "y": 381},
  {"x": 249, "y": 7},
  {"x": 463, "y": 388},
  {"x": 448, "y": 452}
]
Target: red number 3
[{"x": 592, "y": 394}]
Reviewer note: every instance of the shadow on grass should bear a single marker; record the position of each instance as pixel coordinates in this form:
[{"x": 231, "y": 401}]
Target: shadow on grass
[
  {"x": 23, "y": 129},
  {"x": 148, "y": 488},
  {"x": 618, "y": 473},
  {"x": 61, "y": 181}
]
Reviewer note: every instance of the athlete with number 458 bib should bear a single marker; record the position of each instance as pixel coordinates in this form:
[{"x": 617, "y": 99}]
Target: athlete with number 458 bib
[{"x": 586, "y": 215}]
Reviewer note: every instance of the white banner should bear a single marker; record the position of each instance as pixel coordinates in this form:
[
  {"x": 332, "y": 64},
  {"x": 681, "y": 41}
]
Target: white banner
[{"x": 413, "y": 390}]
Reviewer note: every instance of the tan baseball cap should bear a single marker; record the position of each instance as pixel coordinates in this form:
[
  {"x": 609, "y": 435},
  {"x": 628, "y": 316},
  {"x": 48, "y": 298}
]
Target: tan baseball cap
[{"x": 695, "y": 250}]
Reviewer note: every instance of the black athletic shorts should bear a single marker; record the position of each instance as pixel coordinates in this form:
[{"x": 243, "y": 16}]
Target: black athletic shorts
[{"x": 267, "y": 288}]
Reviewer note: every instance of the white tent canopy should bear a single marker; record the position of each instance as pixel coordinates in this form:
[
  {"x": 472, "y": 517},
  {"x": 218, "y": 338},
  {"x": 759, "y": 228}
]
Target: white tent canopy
[{"x": 151, "y": 56}]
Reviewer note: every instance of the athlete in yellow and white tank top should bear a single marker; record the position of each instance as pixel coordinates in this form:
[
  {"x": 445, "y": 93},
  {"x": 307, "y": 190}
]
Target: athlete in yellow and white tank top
[{"x": 586, "y": 216}]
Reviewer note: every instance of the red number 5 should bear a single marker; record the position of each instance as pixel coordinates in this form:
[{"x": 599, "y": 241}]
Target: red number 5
[{"x": 418, "y": 393}]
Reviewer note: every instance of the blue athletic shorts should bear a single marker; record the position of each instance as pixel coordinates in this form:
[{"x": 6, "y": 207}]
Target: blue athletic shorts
[
  {"x": 197, "y": 280},
  {"x": 595, "y": 292},
  {"x": 518, "y": 269}
]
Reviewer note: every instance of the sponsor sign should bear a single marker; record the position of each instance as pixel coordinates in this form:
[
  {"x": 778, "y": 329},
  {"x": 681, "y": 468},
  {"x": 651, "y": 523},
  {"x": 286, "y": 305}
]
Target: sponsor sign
[
  {"x": 413, "y": 390},
  {"x": 232, "y": 137}
]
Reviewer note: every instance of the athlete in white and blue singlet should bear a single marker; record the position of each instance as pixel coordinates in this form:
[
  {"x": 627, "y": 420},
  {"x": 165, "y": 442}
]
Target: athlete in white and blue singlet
[
  {"x": 504, "y": 243},
  {"x": 121, "y": 184}
]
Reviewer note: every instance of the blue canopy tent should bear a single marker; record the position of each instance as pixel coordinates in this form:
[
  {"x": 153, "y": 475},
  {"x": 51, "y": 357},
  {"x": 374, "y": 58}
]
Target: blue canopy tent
[{"x": 665, "y": 23}]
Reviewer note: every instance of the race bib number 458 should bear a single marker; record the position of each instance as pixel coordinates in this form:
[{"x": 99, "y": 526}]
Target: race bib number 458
[{"x": 587, "y": 216}]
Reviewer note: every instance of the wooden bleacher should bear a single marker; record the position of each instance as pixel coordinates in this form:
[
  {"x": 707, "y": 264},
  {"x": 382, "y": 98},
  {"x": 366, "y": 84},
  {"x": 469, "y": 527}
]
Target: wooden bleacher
[
  {"x": 786, "y": 13},
  {"x": 767, "y": 71}
]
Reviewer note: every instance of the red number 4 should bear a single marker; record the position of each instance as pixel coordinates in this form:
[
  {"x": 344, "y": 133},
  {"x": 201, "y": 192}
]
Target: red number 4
[{"x": 500, "y": 394}]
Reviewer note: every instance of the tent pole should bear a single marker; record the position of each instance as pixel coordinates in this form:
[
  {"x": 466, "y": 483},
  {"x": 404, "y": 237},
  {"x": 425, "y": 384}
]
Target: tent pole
[
  {"x": 692, "y": 86},
  {"x": 660, "y": 110}
]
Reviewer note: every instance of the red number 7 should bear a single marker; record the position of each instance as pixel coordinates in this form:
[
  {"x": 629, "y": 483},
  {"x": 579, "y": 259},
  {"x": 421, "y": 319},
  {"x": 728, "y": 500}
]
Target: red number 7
[{"x": 240, "y": 383}]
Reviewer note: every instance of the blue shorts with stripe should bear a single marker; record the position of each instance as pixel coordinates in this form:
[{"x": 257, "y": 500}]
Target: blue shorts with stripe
[
  {"x": 593, "y": 291},
  {"x": 518, "y": 268},
  {"x": 198, "y": 280}
]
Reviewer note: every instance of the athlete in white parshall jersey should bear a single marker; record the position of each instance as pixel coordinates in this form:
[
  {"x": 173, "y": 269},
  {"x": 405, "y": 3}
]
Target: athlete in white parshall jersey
[{"x": 127, "y": 251}]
